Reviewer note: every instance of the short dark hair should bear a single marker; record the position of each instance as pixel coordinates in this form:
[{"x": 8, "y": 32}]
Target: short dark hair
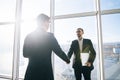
[
  {"x": 80, "y": 29},
  {"x": 42, "y": 18}
]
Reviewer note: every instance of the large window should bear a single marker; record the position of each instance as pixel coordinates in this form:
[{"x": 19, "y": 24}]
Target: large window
[
  {"x": 73, "y": 6},
  {"x": 110, "y": 4},
  {"x": 6, "y": 49},
  {"x": 7, "y": 18},
  {"x": 67, "y": 16},
  {"x": 7, "y": 10},
  {"x": 31, "y": 8},
  {"x": 111, "y": 46}
]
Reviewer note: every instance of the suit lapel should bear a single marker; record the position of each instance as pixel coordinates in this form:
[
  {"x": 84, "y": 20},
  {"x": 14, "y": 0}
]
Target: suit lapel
[
  {"x": 77, "y": 46},
  {"x": 84, "y": 43}
]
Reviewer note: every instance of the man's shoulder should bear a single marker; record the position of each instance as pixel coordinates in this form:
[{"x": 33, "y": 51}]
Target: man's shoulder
[
  {"x": 86, "y": 39},
  {"x": 29, "y": 35},
  {"x": 74, "y": 41},
  {"x": 50, "y": 34}
]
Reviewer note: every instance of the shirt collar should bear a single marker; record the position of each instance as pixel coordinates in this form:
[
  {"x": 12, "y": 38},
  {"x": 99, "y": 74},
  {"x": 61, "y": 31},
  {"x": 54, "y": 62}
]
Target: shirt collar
[{"x": 80, "y": 39}]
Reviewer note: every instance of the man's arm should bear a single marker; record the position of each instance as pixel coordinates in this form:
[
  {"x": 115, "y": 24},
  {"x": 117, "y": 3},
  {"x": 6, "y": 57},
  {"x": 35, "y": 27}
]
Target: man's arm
[
  {"x": 70, "y": 52},
  {"x": 58, "y": 51},
  {"x": 27, "y": 47},
  {"x": 92, "y": 53}
]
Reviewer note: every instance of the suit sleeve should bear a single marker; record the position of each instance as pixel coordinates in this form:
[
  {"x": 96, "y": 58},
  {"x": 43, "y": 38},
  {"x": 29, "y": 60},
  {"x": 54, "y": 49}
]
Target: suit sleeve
[
  {"x": 27, "y": 47},
  {"x": 57, "y": 49},
  {"x": 92, "y": 53},
  {"x": 70, "y": 52}
]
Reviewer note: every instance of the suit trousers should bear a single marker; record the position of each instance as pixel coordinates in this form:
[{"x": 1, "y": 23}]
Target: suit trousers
[{"x": 86, "y": 71}]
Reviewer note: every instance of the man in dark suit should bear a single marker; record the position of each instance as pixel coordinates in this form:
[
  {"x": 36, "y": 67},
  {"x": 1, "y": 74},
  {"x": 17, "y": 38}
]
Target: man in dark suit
[
  {"x": 38, "y": 47},
  {"x": 78, "y": 47}
]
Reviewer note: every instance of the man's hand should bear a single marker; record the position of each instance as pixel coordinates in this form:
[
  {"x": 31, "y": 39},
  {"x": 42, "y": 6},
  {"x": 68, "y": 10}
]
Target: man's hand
[
  {"x": 68, "y": 62},
  {"x": 88, "y": 64}
]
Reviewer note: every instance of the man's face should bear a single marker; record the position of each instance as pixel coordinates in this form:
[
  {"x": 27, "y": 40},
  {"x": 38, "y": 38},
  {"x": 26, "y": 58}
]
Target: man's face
[{"x": 79, "y": 33}]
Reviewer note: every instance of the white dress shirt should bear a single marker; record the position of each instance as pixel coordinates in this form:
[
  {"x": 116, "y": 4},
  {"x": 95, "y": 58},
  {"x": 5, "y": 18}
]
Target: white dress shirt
[{"x": 80, "y": 44}]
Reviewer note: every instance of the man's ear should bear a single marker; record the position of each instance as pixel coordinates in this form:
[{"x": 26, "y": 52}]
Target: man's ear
[{"x": 83, "y": 32}]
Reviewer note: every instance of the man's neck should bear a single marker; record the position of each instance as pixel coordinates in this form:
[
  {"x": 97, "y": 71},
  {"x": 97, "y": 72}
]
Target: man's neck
[{"x": 80, "y": 38}]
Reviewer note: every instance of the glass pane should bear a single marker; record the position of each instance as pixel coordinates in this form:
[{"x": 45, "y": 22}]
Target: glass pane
[
  {"x": 6, "y": 49},
  {"x": 65, "y": 32},
  {"x": 111, "y": 51},
  {"x": 73, "y": 6},
  {"x": 110, "y": 4},
  {"x": 31, "y": 8},
  {"x": 7, "y": 10}
]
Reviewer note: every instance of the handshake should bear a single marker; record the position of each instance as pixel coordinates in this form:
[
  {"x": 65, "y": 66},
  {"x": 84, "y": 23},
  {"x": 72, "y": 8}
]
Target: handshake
[{"x": 68, "y": 61}]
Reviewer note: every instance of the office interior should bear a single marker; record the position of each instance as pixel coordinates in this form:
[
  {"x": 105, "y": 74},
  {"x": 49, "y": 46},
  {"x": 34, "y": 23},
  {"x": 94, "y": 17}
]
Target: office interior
[{"x": 99, "y": 18}]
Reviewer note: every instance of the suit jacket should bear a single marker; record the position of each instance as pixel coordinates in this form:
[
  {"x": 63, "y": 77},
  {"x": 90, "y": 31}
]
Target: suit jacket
[
  {"x": 38, "y": 47},
  {"x": 87, "y": 47}
]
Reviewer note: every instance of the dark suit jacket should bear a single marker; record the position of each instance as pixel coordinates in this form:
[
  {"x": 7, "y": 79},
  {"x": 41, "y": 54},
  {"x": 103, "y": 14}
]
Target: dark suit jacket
[
  {"x": 38, "y": 47},
  {"x": 87, "y": 47}
]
